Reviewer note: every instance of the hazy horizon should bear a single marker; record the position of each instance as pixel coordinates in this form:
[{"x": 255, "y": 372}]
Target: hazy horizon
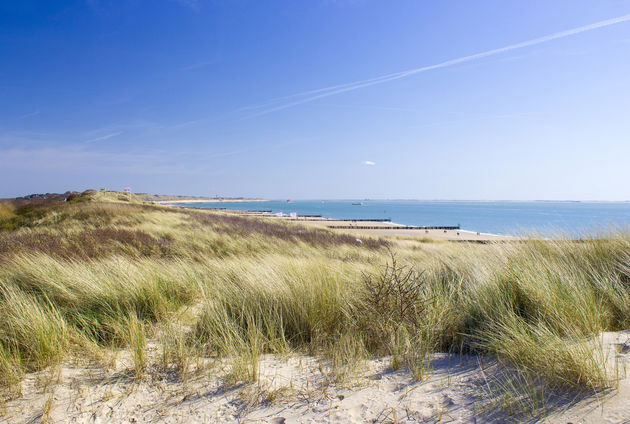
[
  {"x": 278, "y": 199},
  {"x": 344, "y": 99}
]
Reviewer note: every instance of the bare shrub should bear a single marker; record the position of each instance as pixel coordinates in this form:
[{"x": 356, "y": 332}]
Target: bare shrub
[
  {"x": 391, "y": 299},
  {"x": 390, "y": 315}
]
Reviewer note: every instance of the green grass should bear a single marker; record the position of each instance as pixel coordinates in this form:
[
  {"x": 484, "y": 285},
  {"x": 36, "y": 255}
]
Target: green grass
[{"x": 102, "y": 273}]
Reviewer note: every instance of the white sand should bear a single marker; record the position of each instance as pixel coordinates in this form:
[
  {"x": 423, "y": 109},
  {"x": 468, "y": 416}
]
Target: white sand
[{"x": 299, "y": 389}]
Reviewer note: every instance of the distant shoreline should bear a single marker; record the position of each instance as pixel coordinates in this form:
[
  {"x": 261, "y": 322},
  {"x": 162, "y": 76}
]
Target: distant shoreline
[
  {"x": 210, "y": 200},
  {"x": 361, "y": 230}
]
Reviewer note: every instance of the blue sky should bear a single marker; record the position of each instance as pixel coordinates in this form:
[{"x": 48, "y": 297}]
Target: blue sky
[{"x": 234, "y": 98}]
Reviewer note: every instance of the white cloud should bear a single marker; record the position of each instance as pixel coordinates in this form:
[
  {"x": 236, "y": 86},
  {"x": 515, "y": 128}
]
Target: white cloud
[{"x": 368, "y": 162}]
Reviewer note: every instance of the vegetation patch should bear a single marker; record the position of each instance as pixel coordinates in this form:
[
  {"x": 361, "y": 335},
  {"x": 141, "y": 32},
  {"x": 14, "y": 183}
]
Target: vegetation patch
[{"x": 91, "y": 276}]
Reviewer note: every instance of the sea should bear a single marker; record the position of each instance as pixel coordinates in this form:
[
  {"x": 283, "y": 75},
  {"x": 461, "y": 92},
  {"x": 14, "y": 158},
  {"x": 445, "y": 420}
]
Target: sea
[{"x": 547, "y": 218}]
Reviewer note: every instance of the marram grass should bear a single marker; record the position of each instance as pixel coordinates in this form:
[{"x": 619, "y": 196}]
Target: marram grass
[{"x": 90, "y": 276}]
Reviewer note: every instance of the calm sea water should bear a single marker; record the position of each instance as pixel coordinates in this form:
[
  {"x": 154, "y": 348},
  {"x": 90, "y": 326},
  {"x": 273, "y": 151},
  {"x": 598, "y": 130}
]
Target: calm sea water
[{"x": 547, "y": 218}]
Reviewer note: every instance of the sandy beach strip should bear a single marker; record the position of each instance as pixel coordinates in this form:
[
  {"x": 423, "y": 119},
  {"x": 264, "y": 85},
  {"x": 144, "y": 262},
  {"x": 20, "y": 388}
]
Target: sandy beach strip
[{"x": 360, "y": 228}]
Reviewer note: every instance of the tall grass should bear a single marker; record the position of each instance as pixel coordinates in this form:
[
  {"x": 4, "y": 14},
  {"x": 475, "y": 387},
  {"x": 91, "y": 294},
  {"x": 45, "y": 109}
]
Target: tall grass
[
  {"x": 32, "y": 331},
  {"x": 112, "y": 275},
  {"x": 537, "y": 306}
]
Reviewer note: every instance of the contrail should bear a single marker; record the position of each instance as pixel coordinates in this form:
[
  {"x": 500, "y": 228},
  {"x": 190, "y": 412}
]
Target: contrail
[
  {"x": 342, "y": 88},
  {"x": 105, "y": 137}
]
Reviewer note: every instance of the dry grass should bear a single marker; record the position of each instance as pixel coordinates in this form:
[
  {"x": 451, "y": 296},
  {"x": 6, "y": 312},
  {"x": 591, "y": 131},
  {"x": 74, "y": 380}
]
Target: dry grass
[{"x": 92, "y": 274}]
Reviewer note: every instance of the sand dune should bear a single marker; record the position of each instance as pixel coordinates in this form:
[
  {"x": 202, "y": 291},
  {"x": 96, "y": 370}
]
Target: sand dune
[{"x": 302, "y": 389}]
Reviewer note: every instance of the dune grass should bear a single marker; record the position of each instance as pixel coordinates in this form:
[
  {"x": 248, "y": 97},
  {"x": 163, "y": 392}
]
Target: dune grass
[{"x": 91, "y": 274}]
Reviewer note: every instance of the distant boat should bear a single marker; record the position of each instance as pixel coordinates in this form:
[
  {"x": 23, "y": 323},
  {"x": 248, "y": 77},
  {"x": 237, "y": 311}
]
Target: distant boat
[
  {"x": 357, "y": 203},
  {"x": 288, "y": 200}
]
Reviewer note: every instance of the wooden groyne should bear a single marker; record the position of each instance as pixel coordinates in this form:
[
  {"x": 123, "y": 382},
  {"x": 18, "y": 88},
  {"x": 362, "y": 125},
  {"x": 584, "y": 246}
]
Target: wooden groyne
[
  {"x": 392, "y": 227},
  {"x": 319, "y": 218},
  {"x": 365, "y": 220}
]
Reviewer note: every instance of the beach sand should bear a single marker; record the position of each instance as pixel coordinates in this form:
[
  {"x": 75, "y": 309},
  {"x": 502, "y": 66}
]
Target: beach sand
[
  {"x": 303, "y": 389},
  {"x": 386, "y": 229}
]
